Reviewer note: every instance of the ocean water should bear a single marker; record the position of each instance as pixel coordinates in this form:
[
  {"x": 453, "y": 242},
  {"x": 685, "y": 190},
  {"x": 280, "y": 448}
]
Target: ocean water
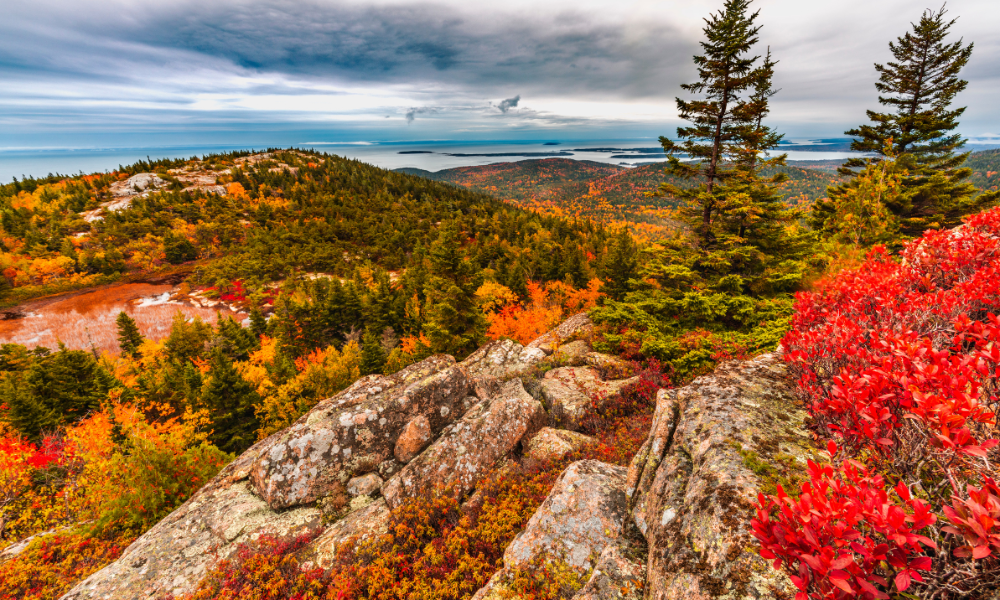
[{"x": 430, "y": 155}]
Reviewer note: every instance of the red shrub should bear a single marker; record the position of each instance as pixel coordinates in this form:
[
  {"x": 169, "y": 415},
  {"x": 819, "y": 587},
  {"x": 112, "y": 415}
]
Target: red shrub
[
  {"x": 845, "y": 534},
  {"x": 977, "y": 520},
  {"x": 899, "y": 361}
]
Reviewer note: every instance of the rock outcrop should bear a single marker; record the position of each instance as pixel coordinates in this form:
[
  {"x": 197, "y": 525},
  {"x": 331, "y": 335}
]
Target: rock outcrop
[
  {"x": 582, "y": 516},
  {"x": 356, "y": 431},
  {"x": 500, "y": 360},
  {"x": 366, "y": 523},
  {"x": 338, "y": 472},
  {"x": 577, "y": 326},
  {"x": 615, "y": 577},
  {"x": 570, "y": 392},
  {"x": 466, "y": 450},
  {"x": 554, "y": 444},
  {"x": 693, "y": 484}
]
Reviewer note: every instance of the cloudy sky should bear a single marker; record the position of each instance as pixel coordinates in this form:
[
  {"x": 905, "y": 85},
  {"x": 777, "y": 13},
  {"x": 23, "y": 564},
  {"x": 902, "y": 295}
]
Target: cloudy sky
[{"x": 91, "y": 72}]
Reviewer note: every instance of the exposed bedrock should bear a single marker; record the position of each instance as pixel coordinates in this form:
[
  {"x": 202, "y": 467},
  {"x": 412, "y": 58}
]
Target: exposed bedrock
[
  {"x": 337, "y": 472},
  {"x": 674, "y": 524},
  {"x": 692, "y": 486}
]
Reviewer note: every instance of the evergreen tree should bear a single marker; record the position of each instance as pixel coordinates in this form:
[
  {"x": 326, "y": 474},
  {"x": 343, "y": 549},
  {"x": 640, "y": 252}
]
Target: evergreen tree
[
  {"x": 187, "y": 340},
  {"x": 748, "y": 241},
  {"x": 57, "y": 389},
  {"x": 129, "y": 338},
  {"x": 258, "y": 324},
  {"x": 719, "y": 119},
  {"x": 860, "y": 216},
  {"x": 919, "y": 86},
  {"x": 454, "y": 323},
  {"x": 234, "y": 341},
  {"x": 178, "y": 249},
  {"x": 372, "y": 354},
  {"x": 230, "y": 401},
  {"x": 621, "y": 265}
]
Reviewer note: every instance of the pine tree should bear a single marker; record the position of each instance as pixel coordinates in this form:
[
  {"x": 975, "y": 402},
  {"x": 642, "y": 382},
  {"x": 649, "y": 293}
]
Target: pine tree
[
  {"x": 234, "y": 341},
  {"x": 726, "y": 72},
  {"x": 372, "y": 354},
  {"x": 129, "y": 338},
  {"x": 60, "y": 388},
  {"x": 621, "y": 265},
  {"x": 919, "y": 86},
  {"x": 453, "y": 322},
  {"x": 860, "y": 216},
  {"x": 230, "y": 401},
  {"x": 258, "y": 323},
  {"x": 748, "y": 240}
]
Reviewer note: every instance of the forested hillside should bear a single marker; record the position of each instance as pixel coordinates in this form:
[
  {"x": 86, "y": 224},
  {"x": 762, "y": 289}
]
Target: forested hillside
[
  {"x": 605, "y": 193},
  {"x": 985, "y": 167},
  {"x": 341, "y": 269}
]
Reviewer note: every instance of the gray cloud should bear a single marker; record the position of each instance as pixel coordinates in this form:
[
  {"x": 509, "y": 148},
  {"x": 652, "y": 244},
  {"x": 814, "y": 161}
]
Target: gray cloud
[
  {"x": 509, "y": 103},
  {"x": 419, "y": 43},
  {"x": 411, "y": 114},
  {"x": 133, "y": 64}
]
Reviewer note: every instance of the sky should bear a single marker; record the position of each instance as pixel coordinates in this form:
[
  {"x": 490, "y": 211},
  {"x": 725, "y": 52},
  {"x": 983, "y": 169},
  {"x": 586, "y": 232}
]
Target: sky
[{"x": 105, "y": 73}]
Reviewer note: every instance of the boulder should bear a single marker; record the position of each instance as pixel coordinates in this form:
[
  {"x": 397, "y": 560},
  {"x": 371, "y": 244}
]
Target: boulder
[
  {"x": 577, "y": 326},
  {"x": 693, "y": 484},
  {"x": 570, "y": 392},
  {"x": 611, "y": 367},
  {"x": 366, "y": 523},
  {"x": 466, "y": 450},
  {"x": 573, "y": 353},
  {"x": 581, "y": 517},
  {"x": 138, "y": 183},
  {"x": 501, "y": 360},
  {"x": 413, "y": 439},
  {"x": 614, "y": 578},
  {"x": 355, "y": 431},
  {"x": 554, "y": 444},
  {"x": 365, "y": 485}
]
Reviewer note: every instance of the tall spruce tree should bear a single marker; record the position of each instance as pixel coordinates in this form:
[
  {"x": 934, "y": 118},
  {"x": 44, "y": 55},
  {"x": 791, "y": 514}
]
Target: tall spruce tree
[
  {"x": 230, "y": 400},
  {"x": 56, "y": 389},
  {"x": 621, "y": 265},
  {"x": 918, "y": 87},
  {"x": 746, "y": 237},
  {"x": 719, "y": 119}
]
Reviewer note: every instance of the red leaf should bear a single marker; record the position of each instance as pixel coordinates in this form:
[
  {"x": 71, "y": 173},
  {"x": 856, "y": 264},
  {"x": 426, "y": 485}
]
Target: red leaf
[{"x": 902, "y": 581}]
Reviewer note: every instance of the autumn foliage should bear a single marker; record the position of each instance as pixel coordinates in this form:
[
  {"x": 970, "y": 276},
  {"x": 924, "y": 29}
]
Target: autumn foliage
[
  {"x": 441, "y": 547},
  {"x": 546, "y": 306},
  {"x": 91, "y": 491},
  {"x": 899, "y": 362}
]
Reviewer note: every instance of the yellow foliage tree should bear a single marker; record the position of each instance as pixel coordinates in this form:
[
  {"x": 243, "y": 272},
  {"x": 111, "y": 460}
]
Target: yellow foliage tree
[{"x": 321, "y": 374}]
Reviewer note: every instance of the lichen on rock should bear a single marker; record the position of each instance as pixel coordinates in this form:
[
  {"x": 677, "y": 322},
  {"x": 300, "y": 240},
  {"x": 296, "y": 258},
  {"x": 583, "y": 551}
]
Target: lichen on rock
[
  {"x": 355, "y": 431},
  {"x": 691, "y": 493},
  {"x": 466, "y": 450}
]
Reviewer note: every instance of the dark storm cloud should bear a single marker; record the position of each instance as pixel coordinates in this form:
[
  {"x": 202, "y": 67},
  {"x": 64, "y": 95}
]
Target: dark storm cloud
[
  {"x": 509, "y": 103},
  {"x": 412, "y": 113},
  {"x": 579, "y": 65},
  {"x": 412, "y": 43}
]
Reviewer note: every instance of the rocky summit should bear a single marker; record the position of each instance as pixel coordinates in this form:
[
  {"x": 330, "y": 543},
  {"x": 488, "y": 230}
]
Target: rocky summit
[{"x": 672, "y": 525}]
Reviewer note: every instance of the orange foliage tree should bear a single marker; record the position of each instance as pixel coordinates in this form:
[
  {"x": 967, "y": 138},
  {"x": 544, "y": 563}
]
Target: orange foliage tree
[{"x": 546, "y": 306}]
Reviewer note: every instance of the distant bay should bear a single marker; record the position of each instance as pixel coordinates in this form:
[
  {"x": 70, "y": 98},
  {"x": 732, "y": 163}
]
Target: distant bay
[{"x": 430, "y": 155}]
